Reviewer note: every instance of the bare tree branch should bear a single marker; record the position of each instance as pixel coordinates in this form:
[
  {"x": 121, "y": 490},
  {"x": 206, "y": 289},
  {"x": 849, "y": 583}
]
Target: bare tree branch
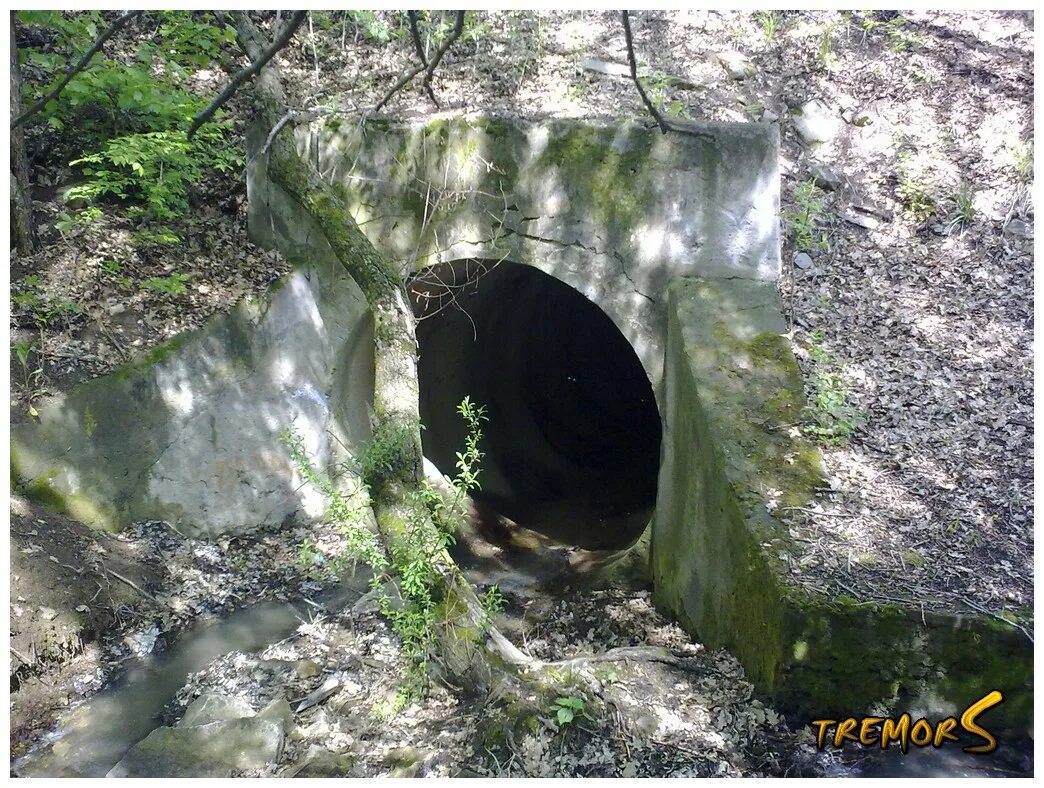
[
  {"x": 415, "y": 33},
  {"x": 664, "y": 124},
  {"x": 412, "y": 16},
  {"x": 458, "y": 28},
  {"x": 634, "y": 74},
  {"x": 281, "y": 39},
  {"x": 80, "y": 65}
]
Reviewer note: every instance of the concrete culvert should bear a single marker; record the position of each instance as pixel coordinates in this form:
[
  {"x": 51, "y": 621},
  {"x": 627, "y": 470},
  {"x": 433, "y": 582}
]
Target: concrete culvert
[{"x": 573, "y": 438}]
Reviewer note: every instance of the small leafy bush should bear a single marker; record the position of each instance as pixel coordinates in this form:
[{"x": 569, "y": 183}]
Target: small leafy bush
[
  {"x": 426, "y": 531},
  {"x": 804, "y": 219},
  {"x": 831, "y": 418},
  {"x": 155, "y": 167},
  {"x": 568, "y": 708},
  {"x": 129, "y": 117}
]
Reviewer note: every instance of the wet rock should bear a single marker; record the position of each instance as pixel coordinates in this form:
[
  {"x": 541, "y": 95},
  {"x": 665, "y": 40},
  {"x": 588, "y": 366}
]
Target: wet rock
[
  {"x": 815, "y": 122},
  {"x": 210, "y": 708},
  {"x": 737, "y": 65},
  {"x": 211, "y": 750}
]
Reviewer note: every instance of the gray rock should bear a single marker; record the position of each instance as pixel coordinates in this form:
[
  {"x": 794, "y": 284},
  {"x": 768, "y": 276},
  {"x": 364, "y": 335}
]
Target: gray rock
[
  {"x": 737, "y": 65},
  {"x": 211, "y": 750},
  {"x": 769, "y": 116},
  {"x": 1018, "y": 229},
  {"x": 209, "y": 707},
  {"x": 278, "y": 711},
  {"x": 816, "y": 123},
  {"x": 117, "y": 309},
  {"x": 803, "y": 260},
  {"x": 405, "y": 761},
  {"x": 307, "y": 668},
  {"x": 325, "y": 763},
  {"x": 860, "y": 220},
  {"x": 824, "y": 177}
]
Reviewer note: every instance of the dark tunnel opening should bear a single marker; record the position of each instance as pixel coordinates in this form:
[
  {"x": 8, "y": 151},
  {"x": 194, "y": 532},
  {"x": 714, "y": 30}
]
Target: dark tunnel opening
[{"x": 572, "y": 443}]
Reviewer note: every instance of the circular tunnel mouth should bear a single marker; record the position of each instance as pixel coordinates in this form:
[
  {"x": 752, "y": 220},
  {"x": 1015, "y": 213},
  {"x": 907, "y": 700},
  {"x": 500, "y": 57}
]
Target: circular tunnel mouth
[{"x": 572, "y": 441}]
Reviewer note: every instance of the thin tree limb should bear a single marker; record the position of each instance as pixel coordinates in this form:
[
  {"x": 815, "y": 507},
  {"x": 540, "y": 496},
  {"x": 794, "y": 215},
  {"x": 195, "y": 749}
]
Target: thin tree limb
[
  {"x": 80, "y": 65},
  {"x": 634, "y": 73},
  {"x": 664, "y": 124},
  {"x": 415, "y": 34},
  {"x": 458, "y": 28},
  {"x": 412, "y": 16},
  {"x": 281, "y": 39}
]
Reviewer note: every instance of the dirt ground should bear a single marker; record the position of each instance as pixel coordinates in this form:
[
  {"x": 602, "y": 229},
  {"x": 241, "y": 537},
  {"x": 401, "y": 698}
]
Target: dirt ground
[
  {"x": 917, "y": 306},
  {"x": 71, "y": 588}
]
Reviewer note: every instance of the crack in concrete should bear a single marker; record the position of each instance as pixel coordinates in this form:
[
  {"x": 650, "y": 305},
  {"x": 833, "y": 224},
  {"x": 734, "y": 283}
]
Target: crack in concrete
[{"x": 592, "y": 249}]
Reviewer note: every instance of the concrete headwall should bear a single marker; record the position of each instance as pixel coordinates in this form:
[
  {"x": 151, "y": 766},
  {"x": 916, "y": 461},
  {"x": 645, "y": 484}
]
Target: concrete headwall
[
  {"x": 614, "y": 211},
  {"x": 190, "y": 433}
]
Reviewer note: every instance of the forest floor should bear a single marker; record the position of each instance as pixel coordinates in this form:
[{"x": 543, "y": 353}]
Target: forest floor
[{"x": 912, "y": 318}]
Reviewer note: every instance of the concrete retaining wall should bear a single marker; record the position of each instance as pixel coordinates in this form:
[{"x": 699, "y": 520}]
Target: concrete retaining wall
[{"x": 719, "y": 555}]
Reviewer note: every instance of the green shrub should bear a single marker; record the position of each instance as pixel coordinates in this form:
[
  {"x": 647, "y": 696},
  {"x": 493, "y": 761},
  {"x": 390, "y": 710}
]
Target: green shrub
[
  {"x": 830, "y": 417},
  {"x": 804, "y": 219}
]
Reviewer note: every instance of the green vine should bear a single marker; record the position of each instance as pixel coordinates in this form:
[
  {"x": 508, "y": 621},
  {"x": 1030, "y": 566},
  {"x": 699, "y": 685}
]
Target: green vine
[{"x": 427, "y": 529}]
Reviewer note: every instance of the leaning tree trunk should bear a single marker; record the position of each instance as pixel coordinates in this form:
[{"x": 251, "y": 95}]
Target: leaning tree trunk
[
  {"x": 21, "y": 200},
  {"x": 470, "y": 652}
]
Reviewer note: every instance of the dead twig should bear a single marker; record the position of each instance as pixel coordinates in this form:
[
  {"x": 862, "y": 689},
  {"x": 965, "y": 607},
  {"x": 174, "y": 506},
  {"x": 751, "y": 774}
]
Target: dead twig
[
  {"x": 999, "y": 617},
  {"x": 429, "y": 69},
  {"x": 133, "y": 585},
  {"x": 664, "y": 124},
  {"x": 634, "y": 73},
  {"x": 415, "y": 34}
]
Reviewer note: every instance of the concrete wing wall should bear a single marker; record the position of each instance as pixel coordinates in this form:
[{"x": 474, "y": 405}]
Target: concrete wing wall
[{"x": 190, "y": 434}]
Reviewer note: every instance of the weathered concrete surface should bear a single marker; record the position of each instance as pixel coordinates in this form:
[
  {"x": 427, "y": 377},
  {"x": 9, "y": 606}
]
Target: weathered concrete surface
[
  {"x": 719, "y": 555},
  {"x": 614, "y": 211},
  {"x": 190, "y": 434}
]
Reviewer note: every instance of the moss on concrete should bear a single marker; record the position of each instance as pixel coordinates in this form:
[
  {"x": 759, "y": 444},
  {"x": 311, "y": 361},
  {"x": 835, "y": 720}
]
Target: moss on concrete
[
  {"x": 719, "y": 550},
  {"x": 87, "y": 509}
]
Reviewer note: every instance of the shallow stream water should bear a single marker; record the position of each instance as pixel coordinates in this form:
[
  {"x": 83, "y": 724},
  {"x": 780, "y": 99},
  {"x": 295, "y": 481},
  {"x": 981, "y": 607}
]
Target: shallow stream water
[{"x": 93, "y": 736}]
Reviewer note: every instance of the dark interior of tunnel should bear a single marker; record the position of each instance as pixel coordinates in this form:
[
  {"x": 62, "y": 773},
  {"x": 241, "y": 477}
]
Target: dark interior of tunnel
[{"x": 572, "y": 444}]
